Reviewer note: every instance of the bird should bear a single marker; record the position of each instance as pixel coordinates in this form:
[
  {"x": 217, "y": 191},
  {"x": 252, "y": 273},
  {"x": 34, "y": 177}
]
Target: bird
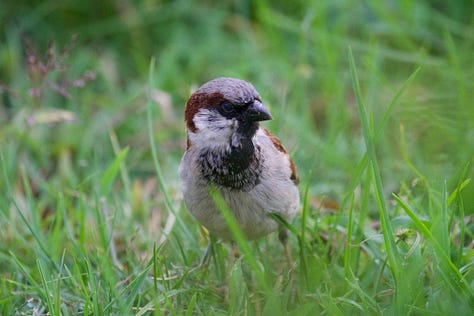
[{"x": 229, "y": 151}]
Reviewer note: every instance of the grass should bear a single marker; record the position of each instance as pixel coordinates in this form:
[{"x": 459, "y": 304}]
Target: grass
[{"x": 372, "y": 99}]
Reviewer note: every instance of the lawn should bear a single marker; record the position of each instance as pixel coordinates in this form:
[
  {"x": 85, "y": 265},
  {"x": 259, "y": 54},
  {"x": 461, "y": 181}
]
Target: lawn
[{"x": 373, "y": 99}]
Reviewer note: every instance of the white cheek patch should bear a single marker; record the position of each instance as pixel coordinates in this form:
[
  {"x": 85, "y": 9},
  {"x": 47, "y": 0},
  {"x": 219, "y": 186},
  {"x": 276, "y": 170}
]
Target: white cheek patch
[{"x": 213, "y": 130}]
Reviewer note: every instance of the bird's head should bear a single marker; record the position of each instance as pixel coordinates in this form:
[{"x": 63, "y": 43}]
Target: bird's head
[{"x": 222, "y": 112}]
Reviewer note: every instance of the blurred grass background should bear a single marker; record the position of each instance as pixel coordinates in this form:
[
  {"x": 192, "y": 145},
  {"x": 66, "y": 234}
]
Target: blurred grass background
[{"x": 85, "y": 225}]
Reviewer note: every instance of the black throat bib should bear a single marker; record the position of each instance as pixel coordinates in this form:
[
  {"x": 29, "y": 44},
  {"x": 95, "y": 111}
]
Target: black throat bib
[{"x": 236, "y": 167}]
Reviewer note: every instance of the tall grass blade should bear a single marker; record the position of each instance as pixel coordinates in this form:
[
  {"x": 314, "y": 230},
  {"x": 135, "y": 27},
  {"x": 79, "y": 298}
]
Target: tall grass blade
[
  {"x": 108, "y": 177},
  {"x": 47, "y": 293},
  {"x": 159, "y": 174},
  {"x": 239, "y": 237},
  {"x": 348, "y": 249},
  {"x": 362, "y": 165},
  {"x": 389, "y": 240}
]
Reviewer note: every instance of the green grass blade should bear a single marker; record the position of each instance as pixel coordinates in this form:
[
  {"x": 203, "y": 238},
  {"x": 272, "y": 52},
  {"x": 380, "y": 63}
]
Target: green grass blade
[
  {"x": 48, "y": 295},
  {"x": 444, "y": 222},
  {"x": 108, "y": 177},
  {"x": 458, "y": 282},
  {"x": 7, "y": 185},
  {"x": 123, "y": 169},
  {"x": 37, "y": 237},
  {"x": 457, "y": 194},
  {"x": 240, "y": 239},
  {"x": 133, "y": 289},
  {"x": 151, "y": 139},
  {"x": 159, "y": 173},
  {"x": 406, "y": 158},
  {"x": 457, "y": 191},
  {"x": 24, "y": 270},
  {"x": 393, "y": 103},
  {"x": 302, "y": 234},
  {"x": 190, "y": 309},
  {"x": 388, "y": 233},
  {"x": 370, "y": 144},
  {"x": 348, "y": 247},
  {"x": 362, "y": 165}
]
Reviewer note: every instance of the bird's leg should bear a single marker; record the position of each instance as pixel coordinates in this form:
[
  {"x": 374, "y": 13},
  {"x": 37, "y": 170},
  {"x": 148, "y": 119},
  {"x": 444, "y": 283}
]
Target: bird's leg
[
  {"x": 283, "y": 237},
  {"x": 206, "y": 259},
  {"x": 234, "y": 254},
  {"x": 210, "y": 252}
]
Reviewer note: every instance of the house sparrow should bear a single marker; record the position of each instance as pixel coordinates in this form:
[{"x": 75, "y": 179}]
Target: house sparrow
[{"x": 228, "y": 150}]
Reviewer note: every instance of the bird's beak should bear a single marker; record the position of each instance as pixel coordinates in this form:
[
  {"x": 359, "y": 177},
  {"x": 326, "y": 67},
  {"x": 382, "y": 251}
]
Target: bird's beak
[{"x": 257, "y": 112}]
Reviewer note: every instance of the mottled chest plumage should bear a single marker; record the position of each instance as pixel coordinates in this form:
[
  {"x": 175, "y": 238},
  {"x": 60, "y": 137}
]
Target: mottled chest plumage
[{"x": 238, "y": 167}]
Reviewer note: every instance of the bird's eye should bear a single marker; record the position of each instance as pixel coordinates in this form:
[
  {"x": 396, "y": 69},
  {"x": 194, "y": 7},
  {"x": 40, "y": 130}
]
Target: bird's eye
[{"x": 227, "y": 107}]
